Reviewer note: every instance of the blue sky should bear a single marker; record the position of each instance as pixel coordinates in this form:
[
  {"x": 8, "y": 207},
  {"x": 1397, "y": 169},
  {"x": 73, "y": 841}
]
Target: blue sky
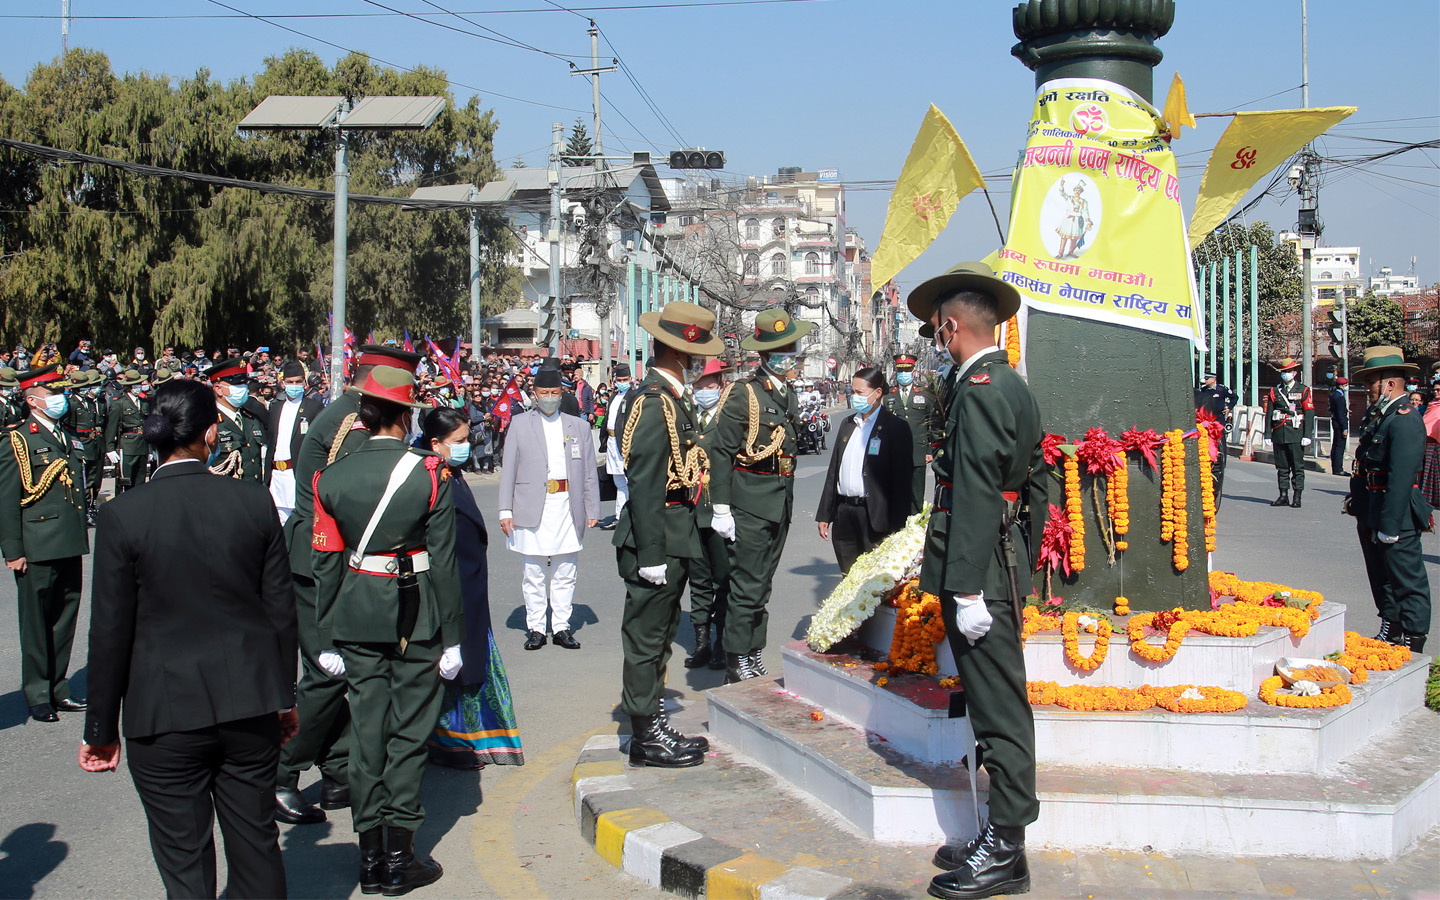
[{"x": 843, "y": 84}]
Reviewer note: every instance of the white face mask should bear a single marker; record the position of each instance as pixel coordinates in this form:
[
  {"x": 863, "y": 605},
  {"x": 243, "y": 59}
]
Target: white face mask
[{"x": 1287, "y": 377}]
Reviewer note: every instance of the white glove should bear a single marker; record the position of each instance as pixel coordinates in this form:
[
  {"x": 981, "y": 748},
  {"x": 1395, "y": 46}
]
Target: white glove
[
  {"x": 1384, "y": 538},
  {"x": 114, "y": 457},
  {"x": 1268, "y": 444},
  {"x": 450, "y": 662},
  {"x": 724, "y": 526},
  {"x": 972, "y": 618},
  {"x": 332, "y": 662},
  {"x": 1304, "y": 442},
  {"x": 653, "y": 574}
]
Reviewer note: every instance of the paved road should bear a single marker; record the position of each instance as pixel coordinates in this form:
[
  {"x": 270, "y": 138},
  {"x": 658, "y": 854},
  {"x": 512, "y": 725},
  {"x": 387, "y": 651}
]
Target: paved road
[{"x": 510, "y": 833}]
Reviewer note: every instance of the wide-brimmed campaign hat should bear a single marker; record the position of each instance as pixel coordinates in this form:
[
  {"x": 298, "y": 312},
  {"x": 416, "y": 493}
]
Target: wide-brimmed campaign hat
[
  {"x": 8, "y": 378},
  {"x": 391, "y": 385},
  {"x": 774, "y": 329},
  {"x": 1381, "y": 358},
  {"x": 684, "y": 326},
  {"x": 966, "y": 276},
  {"x": 131, "y": 377},
  {"x": 1287, "y": 364},
  {"x": 388, "y": 356}
]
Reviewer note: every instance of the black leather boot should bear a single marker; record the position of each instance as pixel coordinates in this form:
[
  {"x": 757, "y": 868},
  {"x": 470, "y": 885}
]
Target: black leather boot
[
  {"x": 334, "y": 794},
  {"x": 403, "y": 872},
  {"x": 757, "y": 665},
  {"x": 1416, "y": 642},
  {"x": 372, "y": 860},
  {"x": 693, "y": 743},
  {"x": 1295, "y": 502},
  {"x": 653, "y": 745},
  {"x": 701, "y": 656},
  {"x": 717, "y": 652},
  {"x": 952, "y": 856},
  {"x": 1282, "y": 500},
  {"x": 997, "y": 865},
  {"x": 737, "y": 667},
  {"x": 1385, "y": 630}
]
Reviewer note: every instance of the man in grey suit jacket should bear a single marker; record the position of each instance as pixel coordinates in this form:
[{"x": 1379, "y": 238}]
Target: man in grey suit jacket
[{"x": 549, "y": 495}]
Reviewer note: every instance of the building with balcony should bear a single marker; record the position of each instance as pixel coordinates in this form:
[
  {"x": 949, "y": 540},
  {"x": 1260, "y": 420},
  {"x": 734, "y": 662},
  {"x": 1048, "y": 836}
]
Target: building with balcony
[{"x": 1386, "y": 283}]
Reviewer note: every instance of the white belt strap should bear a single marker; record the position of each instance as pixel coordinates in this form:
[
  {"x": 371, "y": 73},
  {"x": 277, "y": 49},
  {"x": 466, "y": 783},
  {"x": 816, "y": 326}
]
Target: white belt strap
[
  {"x": 403, "y": 467},
  {"x": 390, "y": 565}
]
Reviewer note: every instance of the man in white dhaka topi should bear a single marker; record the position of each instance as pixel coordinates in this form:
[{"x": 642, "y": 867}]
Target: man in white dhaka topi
[{"x": 549, "y": 495}]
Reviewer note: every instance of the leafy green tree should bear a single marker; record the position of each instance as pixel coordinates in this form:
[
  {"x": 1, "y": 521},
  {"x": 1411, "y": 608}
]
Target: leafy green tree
[
  {"x": 1374, "y": 320},
  {"x": 91, "y": 251},
  {"x": 579, "y": 149},
  {"x": 1279, "y": 287}
]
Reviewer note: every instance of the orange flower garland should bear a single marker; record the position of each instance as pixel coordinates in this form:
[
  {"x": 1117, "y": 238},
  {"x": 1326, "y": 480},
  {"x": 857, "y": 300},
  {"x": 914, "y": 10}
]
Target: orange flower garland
[
  {"x": 1174, "y": 479},
  {"x": 1034, "y": 621},
  {"x": 1175, "y": 629},
  {"x": 918, "y": 626},
  {"x": 1119, "y": 502},
  {"x": 1214, "y": 699},
  {"x": 1090, "y": 698},
  {"x": 1012, "y": 341},
  {"x": 1255, "y": 593},
  {"x": 1122, "y": 606},
  {"x": 1207, "y": 487},
  {"x": 1070, "y": 633},
  {"x": 1075, "y": 512},
  {"x": 1339, "y": 695},
  {"x": 1362, "y": 654}
]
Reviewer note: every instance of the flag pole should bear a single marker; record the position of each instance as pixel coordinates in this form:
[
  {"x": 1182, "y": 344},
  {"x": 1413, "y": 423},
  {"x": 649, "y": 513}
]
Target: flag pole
[{"x": 998, "y": 230}]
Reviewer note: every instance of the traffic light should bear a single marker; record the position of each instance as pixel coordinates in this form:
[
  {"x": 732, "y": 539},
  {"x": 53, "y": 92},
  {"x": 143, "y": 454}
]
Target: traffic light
[
  {"x": 1337, "y": 332},
  {"x": 547, "y": 334},
  {"x": 697, "y": 159}
]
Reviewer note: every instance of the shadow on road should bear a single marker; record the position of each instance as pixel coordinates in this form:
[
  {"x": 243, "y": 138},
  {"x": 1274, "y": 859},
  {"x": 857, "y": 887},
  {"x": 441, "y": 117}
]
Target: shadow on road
[
  {"x": 450, "y": 796},
  {"x": 580, "y": 616},
  {"x": 13, "y": 711},
  {"x": 30, "y": 853}
]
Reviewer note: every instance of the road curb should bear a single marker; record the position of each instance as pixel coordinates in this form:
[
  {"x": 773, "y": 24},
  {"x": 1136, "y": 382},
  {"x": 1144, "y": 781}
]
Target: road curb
[{"x": 644, "y": 842}]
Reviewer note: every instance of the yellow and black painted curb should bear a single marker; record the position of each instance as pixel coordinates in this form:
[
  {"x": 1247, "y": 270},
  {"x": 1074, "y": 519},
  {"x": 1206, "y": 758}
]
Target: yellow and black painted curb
[{"x": 646, "y": 843}]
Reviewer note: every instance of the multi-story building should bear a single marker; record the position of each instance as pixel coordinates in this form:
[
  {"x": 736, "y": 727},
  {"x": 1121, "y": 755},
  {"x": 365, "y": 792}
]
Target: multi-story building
[
  {"x": 1386, "y": 282},
  {"x": 1334, "y": 272}
]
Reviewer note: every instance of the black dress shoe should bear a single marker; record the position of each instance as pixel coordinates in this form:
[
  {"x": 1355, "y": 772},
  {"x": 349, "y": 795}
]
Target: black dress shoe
[
  {"x": 997, "y": 865},
  {"x": 534, "y": 640},
  {"x": 653, "y": 745},
  {"x": 403, "y": 872},
  {"x": 334, "y": 794},
  {"x": 43, "y": 712},
  {"x": 70, "y": 704},
  {"x": 291, "y": 808},
  {"x": 563, "y": 638}
]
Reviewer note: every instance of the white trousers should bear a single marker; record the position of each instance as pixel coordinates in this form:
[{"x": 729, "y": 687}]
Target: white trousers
[
  {"x": 559, "y": 571},
  {"x": 622, "y": 492}
]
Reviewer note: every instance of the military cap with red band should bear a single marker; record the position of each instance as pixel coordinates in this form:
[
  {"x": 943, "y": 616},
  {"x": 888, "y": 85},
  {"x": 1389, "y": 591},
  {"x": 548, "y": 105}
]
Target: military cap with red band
[
  {"x": 391, "y": 357},
  {"x": 232, "y": 371},
  {"x": 49, "y": 377},
  {"x": 904, "y": 362}
]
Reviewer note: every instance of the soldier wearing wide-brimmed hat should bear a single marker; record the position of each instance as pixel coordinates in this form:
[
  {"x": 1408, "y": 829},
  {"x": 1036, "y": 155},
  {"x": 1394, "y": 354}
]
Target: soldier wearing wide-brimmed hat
[
  {"x": 657, "y": 536},
  {"x": 1290, "y": 417},
  {"x": 241, "y": 435},
  {"x": 1385, "y": 499},
  {"x": 753, "y": 469},
  {"x": 12, "y": 402},
  {"x": 987, "y": 467},
  {"x": 124, "y": 431},
  {"x": 916, "y": 406},
  {"x": 87, "y": 419},
  {"x": 43, "y": 537}
]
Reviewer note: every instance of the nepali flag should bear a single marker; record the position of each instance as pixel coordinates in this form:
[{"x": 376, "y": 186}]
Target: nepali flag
[
  {"x": 451, "y": 370},
  {"x": 509, "y": 399},
  {"x": 408, "y": 345}
]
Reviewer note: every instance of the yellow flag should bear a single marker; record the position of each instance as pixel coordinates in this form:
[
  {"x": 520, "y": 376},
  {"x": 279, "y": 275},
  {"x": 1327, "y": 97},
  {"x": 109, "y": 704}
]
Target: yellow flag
[
  {"x": 937, "y": 173},
  {"x": 1253, "y": 145},
  {"x": 1177, "y": 112}
]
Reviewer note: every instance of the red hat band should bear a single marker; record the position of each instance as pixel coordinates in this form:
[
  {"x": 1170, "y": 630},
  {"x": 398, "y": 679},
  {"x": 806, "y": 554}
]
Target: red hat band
[
  {"x": 400, "y": 393},
  {"x": 43, "y": 377},
  {"x": 380, "y": 359}
]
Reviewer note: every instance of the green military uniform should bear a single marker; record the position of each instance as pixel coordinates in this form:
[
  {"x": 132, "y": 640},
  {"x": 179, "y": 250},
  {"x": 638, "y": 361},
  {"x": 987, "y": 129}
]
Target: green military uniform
[
  {"x": 12, "y": 410},
  {"x": 915, "y": 406},
  {"x": 657, "y": 527},
  {"x": 124, "y": 434},
  {"x": 710, "y": 571},
  {"x": 1385, "y": 500},
  {"x": 1290, "y": 418},
  {"x": 393, "y": 685},
  {"x": 86, "y": 420},
  {"x": 42, "y": 519},
  {"x": 240, "y": 433}
]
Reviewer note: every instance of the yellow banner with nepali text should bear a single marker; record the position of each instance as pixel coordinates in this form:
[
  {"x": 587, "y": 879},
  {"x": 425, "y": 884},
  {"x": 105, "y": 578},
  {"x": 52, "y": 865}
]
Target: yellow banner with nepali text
[{"x": 1096, "y": 226}]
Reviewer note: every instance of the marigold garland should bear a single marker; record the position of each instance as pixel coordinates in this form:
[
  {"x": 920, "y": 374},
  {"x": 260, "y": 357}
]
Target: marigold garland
[
  {"x": 1012, "y": 340},
  {"x": 1364, "y": 654},
  {"x": 1207, "y": 488},
  {"x": 1213, "y": 699},
  {"x": 919, "y": 625},
  {"x": 1175, "y": 520},
  {"x": 1263, "y": 593},
  {"x": 1227, "y": 620},
  {"x": 1122, "y": 606},
  {"x": 1175, "y": 630},
  {"x": 1034, "y": 621},
  {"x": 1070, "y": 634},
  {"x": 1119, "y": 500},
  {"x": 1088, "y": 698},
  {"x": 1339, "y": 695},
  {"x": 1075, "y": 512}
]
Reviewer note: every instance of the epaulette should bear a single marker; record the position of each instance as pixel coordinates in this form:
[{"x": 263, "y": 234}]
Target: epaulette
[
  {"x": 1404, "y": 410},
  {"x": 980, "y": 378}
]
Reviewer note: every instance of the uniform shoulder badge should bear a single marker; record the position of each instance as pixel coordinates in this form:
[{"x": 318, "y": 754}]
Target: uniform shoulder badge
[
  {"x": 982, "y": 378},
  {"x": 34, "y": 429},
  {"x": 1402, "y": 411}
]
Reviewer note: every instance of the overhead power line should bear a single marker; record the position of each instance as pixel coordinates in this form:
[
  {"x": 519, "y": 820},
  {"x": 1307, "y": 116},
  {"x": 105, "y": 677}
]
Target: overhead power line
[{"x": 579, "y": 11}]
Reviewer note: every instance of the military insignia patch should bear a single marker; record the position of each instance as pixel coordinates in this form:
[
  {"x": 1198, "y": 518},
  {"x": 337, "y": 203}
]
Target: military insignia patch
[{"x": 980, "y": 379}]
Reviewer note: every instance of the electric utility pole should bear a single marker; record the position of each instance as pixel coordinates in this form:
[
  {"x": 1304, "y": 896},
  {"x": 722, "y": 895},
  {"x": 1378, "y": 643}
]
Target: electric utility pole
[
  {"x": 65, "y": 27},
  {"x": 602, "y": 246},
  {"x": 550, "y": 319},
  {"x": 1309, "y": 222}
]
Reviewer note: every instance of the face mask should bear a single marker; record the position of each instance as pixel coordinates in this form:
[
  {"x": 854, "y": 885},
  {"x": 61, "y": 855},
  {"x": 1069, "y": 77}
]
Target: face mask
[
  {"x": 1412, "y": 387},
  {"x": 942, "y": 343},
  {"x": 706, "y": 398},
  {"x": 142, "y": 392},
  {"x": 860, "y": 404},
  {"x": 139, "y": 356},
  {"x": 458, "y": 453},
  {"x": 1329, "y": 376},
  {"x": 622, "y": 386},
  {"x": 1287, "y": 377},
  {"x": 56, "y": 405},
  {"x": 484, "y": 393},
  {"x": 294, "y": 391},
  {"x": 548, "y": 405},
  {"x": 694, "y": 369},
  {"x": 239, "y": 393},
  {"x": 904, "y": 378}
]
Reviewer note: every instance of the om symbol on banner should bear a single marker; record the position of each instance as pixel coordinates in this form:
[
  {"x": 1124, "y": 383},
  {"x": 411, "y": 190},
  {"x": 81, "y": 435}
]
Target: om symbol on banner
[
  {"x": 1244, "y": 158},
  {"x": 1089, "y": 119},
  {"x": 924, "y": 206}
]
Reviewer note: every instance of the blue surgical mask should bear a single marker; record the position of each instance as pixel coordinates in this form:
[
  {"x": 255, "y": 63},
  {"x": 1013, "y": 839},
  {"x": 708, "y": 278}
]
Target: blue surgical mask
[
  {"x": 622, "y": 386},
  {"x": 56, "y": 405},
  {"x": 707, "y": 397},
  {"x": 294, "y": 391},
  {"x": 459, "y": 453},
  {"x": 860, "y": 404},
  {"x": 239, "y": 393},
  {"x": 905, "y": 378},
  {"x": 1287, "y": 377}
]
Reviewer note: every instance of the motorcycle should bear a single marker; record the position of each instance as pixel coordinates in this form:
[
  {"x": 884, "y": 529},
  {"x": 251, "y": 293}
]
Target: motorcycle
[{"x": 814, "y": 425}]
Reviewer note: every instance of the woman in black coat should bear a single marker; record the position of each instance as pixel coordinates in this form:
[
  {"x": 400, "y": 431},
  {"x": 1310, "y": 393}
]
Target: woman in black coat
[{"x": 478, "y": 723}]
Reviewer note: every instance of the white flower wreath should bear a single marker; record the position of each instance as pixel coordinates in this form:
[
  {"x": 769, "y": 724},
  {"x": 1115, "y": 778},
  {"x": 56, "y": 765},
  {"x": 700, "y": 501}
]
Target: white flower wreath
[{"x": 873, "y": 576}]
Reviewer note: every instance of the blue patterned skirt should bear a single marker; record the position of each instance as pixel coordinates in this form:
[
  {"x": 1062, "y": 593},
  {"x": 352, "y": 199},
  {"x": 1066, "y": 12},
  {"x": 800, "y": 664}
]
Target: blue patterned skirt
[{"x": 477, "y": 725}]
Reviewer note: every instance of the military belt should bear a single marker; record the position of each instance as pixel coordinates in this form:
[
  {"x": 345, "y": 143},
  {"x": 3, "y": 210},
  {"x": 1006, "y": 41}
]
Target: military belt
[
  {"x": 132, "y": 433},
  {"x": 388, "y": 564},
  {"x": 944, "y": 491},
  {"x": 780, "y": 465},
  {"x": 557, "y": 486},
  {"x": 283, "y": 465}
]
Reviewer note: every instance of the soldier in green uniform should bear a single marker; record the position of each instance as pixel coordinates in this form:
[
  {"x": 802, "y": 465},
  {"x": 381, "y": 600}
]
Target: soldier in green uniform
[
  {"x": 43, "y": 537},
  {"x": 1386, "y": 502},
  {"x": 240, "y": 451},
  {"x": 752, "y": 478},
  {"x": 87, "y": 420},
  {"x": 915, "y": 406},
  {"x": 1290, "y": 417},
  {"x": 657, "y": 537},
  {"x": 124, "y": 435},
  {"x": 388, "y": 598},
  {"x": 324, "y": 736},
  {"x": 975, "y": 561},
  {"x": 710, "y": 571},
  {"x": 12, "y": 407}
]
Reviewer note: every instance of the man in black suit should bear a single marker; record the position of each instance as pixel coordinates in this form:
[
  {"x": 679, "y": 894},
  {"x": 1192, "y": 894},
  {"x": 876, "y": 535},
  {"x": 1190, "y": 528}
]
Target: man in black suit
[
  {"x": 192, "y": 628},
  {"x": 287, "y": 421},
  {"x": 868, "y": 488}
]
